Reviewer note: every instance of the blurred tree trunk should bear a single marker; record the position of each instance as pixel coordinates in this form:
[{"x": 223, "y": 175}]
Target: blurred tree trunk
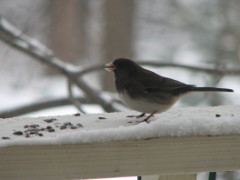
[
  {"x": 67, "y": 29},
  {"x": 117, "y": 40}
]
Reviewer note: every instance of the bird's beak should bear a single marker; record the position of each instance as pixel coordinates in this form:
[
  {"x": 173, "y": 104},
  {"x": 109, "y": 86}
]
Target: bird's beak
[{"x": 109, "y": 67}]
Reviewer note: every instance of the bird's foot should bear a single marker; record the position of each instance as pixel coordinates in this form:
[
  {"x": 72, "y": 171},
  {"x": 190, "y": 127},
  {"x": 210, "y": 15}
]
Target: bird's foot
[
  {"x": 148, "y": 117},
  {"x": 142, "y": 115},
  {"x": 138, "y": 116}
]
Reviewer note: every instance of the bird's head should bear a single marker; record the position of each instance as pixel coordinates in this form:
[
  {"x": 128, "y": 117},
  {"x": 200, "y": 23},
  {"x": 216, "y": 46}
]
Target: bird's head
[{"x": 122, "y": 66}]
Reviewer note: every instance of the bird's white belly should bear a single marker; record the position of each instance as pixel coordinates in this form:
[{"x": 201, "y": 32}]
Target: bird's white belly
[{"x": 142, "y": 105}]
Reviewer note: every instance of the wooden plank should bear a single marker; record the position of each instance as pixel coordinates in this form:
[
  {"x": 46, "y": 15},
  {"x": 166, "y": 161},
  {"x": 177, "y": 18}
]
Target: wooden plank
[
  {"x": 166, "y": 155},
  {"x": 171, "y": 177}
]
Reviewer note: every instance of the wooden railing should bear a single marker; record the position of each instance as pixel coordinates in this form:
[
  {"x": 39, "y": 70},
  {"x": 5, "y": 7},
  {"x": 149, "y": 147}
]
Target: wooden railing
[
  {"x": 160, "y": 156},
  {"x": 152, "y": 158}
]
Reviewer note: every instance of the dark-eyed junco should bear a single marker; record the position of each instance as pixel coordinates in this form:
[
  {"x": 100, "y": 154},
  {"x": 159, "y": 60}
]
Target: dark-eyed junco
[{"x": 146, "y": 91}]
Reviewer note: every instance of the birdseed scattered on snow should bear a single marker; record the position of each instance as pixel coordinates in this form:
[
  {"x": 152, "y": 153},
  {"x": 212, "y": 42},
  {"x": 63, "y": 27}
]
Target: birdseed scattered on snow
[
  {"x": 49, "y": 120},
  {"x": 18, "y": 133},
  {"x": 101, "y": 117}
]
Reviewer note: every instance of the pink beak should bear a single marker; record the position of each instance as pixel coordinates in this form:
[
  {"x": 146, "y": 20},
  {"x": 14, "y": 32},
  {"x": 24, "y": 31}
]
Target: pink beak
[{"x": 109, "y": 67}]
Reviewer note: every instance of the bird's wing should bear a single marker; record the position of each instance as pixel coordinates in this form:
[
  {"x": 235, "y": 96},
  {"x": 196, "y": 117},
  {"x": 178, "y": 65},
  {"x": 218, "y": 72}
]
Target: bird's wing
[
  {"x": 134, "y": 88},
  {"x": 164, "y": 85}
]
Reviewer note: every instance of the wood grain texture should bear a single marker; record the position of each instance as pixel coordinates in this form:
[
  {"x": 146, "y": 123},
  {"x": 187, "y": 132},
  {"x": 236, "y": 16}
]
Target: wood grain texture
[{"x": 166, "y": 155}]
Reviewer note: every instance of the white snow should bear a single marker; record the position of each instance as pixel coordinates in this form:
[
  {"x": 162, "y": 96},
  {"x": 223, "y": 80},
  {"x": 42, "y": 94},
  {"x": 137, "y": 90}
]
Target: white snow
[{"x": 193, "y": 121}]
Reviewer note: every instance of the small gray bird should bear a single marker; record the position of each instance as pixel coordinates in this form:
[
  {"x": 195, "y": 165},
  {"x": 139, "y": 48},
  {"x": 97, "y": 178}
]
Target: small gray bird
[{"x": 146, "y": 91}]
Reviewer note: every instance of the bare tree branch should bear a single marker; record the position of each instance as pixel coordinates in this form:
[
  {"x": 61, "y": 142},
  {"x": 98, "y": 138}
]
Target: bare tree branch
[
  {"x": 29, "y": 46},
  {"x": 210, "y": 70},
  {"x": 74, "y": 100},
  {"x": 35, "y": 49},
  {"x": 38, "y": 106}
]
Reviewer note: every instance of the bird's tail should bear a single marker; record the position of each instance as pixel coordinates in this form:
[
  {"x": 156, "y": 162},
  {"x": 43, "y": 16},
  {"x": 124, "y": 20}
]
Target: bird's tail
[{"x": 211, "y": 89}]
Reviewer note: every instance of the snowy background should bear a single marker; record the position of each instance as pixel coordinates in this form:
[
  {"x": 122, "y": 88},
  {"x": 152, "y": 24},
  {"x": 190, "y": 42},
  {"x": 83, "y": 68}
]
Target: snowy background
[
  {"x": 84, "y": 33},
  {"x": 186, "y": 32}
]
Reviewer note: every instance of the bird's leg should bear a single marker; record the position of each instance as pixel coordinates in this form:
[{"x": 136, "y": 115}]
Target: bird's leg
[
  {"x": 140, "y": 115},
  {"x": 147, "y": 118}
]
